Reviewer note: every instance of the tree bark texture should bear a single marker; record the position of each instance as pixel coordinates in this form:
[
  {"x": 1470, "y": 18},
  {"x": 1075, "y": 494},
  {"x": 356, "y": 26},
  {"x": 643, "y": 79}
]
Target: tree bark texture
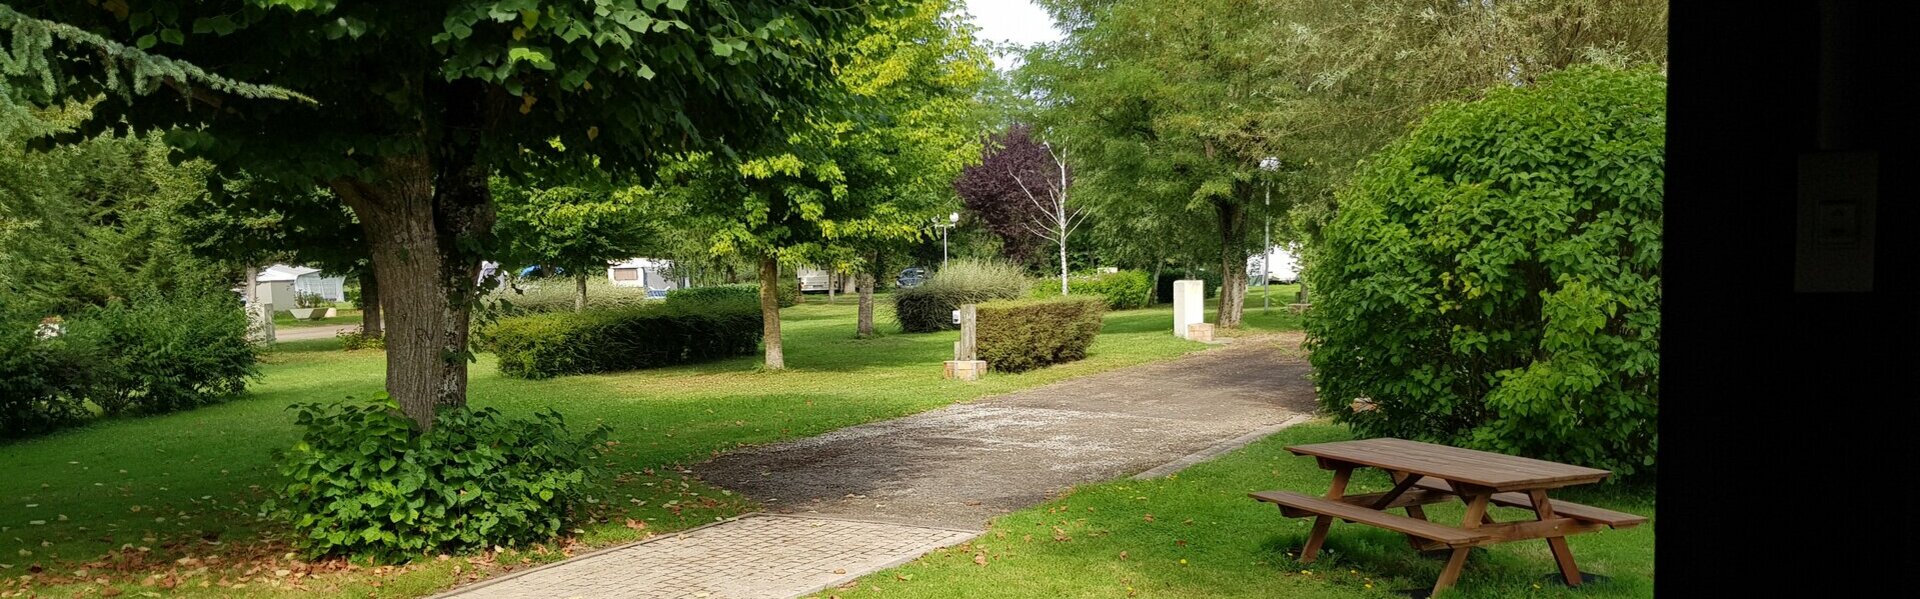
[
  {"x": 1233, "y": 263},
  {"x": 580, "y": 292},
  {"x": 865, "y": 325},
  {"x": 427, "y": 217},
  {"x": 370, "y": 324},
  {"x": 770, "y": 312}
]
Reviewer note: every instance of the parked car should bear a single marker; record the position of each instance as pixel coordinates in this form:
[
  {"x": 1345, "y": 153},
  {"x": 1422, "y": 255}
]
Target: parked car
[{"x": 911, "y": 277}]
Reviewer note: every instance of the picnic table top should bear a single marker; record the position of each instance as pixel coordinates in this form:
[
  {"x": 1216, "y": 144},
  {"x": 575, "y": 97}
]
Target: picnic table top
[{"x": 1497, "y": 471}]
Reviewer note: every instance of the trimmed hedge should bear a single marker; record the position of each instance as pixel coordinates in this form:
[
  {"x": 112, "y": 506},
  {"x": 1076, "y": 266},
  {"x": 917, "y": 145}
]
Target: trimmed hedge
[
  {"x": 1163, "y": 288},
  {"x": 1020, "y": 335},
  {"x": 559, "y": 343},
  {"x": 930, "y": 306},
  {"x": 1123, "y": 290},
  {"x": 737, "y": 291}
]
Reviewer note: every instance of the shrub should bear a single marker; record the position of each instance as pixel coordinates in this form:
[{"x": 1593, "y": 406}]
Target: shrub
[
  {"x": 930, "y": 306},
  {"x": 738, "y": 291},
  {"x": 163, "y": 353},
  {"x": 1163, "y": 288},
  {"x": 363, "y": 482},
  {"x": 546, "y": 345},
  {"x": 40, "y": 377},
  {"x": 359, "y": 339},
  {"x": 1123, "y": 290},
  {"x": 308, "y": 299},
  {"x": 1021, "y": 335},
  {"x": 1493, "y": 279}
]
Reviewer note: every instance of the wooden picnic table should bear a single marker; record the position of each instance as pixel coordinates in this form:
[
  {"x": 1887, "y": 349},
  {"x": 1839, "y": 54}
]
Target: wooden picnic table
[{"x": 1425, "y": 473}]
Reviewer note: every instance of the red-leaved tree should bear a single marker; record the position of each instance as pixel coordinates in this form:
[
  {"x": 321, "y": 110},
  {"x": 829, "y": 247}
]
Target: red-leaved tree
[{"x": 990, "y": 189}]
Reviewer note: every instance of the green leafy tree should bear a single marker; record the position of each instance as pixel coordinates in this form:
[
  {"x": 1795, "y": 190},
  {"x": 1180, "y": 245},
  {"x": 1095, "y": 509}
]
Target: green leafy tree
[
  {"x": 1493, "y": 279},
  {"x": 859, "y": 176},
  {"x": 405, "y": 110},
  {"x": 578, "y": 229},
  {"x": 1173, "y": 105}
]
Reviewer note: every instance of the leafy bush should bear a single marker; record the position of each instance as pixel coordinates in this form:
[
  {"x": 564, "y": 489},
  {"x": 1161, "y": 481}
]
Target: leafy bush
[
  {"x": 738, "y": 291},
  {"x": 359, "y": 339},
  {"x": 546, "y": 345},
  {"x": 1020, "y": 335},
  {"x": 363, "y": 482},
  {"x": 930, "y": 306},
  {"x": 1123, "y": 290},
  {"x": 163, "y": 353},
  {"x": 1493, "y": 279},
  {"x": 40, "y": 377}
]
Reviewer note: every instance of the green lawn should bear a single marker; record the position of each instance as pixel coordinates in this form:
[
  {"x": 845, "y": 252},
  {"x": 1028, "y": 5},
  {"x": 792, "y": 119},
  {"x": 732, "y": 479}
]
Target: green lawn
[
  {"x": 285, "y": 320},
  {"x": 1197, "y": 535},
  {"x": 126, "y": 498}
]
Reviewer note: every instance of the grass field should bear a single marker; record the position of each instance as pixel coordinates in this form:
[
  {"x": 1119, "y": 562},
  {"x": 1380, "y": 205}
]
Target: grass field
[
  {"x": 171, "y": 503},
  {"x": 1197, "y": 535}
]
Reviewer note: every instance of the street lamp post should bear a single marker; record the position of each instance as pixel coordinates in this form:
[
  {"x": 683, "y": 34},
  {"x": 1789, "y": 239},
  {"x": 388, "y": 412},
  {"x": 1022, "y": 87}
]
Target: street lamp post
[
  {"x": 952, "y": 221},
  {"x": 1268, "y": 164}
]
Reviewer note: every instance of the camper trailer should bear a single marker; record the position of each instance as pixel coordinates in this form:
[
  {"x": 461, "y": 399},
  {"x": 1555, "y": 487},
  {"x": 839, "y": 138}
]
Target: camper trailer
[{"x": 813, "y": 279}]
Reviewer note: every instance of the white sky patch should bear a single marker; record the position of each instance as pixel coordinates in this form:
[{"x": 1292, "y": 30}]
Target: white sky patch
[{"x": 1017, "y": 21}]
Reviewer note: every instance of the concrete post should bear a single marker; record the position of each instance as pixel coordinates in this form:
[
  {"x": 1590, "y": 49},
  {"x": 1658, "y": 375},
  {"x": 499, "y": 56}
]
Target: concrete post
[
  {"x": 1189, "y": 302},
  {"x": 260, "y": 323}
]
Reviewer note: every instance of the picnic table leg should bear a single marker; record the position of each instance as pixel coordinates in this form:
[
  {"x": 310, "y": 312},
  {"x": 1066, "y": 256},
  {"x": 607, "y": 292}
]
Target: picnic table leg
[
  {"x": 1322, "y": 523},
  {"x": 1413, "y": 511},
  {"x": 1562, "y": 555},
  {"x": 1457, "y": 561}
]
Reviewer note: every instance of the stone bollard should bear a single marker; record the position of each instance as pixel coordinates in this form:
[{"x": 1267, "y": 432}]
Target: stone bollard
[
  {"x": 966, "y": 370},
  {"x": 1200, "y": 331},
  {"x": 1189, "y": 301},
  {"x": 260, "y": 323}
]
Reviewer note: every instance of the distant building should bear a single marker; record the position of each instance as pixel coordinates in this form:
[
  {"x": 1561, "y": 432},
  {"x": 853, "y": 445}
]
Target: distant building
[{"x": 281, "y": 285}]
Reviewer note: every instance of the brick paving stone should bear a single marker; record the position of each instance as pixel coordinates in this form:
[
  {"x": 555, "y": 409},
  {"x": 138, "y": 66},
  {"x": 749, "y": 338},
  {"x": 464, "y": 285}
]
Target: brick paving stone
[{"x": 758, "y": 556}]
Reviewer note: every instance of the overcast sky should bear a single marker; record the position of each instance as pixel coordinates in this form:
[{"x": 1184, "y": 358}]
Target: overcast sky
[{"x": 1017, "y": 21}]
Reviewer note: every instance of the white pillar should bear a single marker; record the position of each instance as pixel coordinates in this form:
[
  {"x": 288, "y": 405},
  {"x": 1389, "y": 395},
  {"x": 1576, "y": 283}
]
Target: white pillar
[{"x": 1189, "y": 299}]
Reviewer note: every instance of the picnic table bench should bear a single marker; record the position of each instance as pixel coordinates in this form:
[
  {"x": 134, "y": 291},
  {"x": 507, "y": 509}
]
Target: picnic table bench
[{"x": 1424, "y": 474}]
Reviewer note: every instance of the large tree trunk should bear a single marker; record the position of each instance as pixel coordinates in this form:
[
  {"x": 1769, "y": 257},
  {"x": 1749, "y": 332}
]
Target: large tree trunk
[
  {"x": 865, "y": 286},
  {"x": 426, "y": 217},
  {"x": 1233, "y": 263},
  {"x": 370, "y": 324},
  {"x": 770, "y": 311},
  {"x": 1153, "y": 285},
  {"x": 580, "y": 292}
]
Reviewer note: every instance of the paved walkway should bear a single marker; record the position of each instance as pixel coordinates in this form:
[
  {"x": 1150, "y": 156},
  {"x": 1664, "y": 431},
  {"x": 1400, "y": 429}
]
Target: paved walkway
[
  {"x": 867, "y": 497},
  {"x": 305, "y": 333}
]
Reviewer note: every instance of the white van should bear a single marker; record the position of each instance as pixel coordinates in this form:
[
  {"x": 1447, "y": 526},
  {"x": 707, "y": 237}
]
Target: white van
[{"x": 813, "y": 279}]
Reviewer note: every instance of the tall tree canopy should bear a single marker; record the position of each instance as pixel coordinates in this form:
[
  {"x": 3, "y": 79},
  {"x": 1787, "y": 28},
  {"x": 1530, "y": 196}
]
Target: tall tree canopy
[
  {"x": 406, "y": 109},
  {"x": 858, "y": 174},
  {"x": 1173, "y": 105}
]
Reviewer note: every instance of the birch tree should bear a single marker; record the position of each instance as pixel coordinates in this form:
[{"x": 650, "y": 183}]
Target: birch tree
[{"x": 1053, "y": 219}]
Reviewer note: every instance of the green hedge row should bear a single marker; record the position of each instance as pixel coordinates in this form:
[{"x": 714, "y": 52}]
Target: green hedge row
[
  {"x": 789, "y": 295},
  {"x": 1123, "y": 290},
  {"x": 930, "y": 306},
  {"x": 559, "y": 343},
  {"x": 1020, "y": 335}
]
